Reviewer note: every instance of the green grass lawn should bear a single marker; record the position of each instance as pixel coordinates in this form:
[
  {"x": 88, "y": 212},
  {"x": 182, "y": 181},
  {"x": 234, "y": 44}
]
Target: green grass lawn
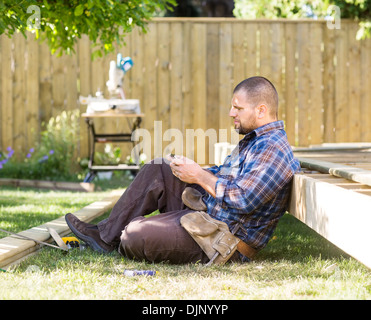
[{"x": 296, "y": 264}]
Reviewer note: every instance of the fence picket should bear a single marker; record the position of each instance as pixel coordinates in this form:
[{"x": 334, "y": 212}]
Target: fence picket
[{"x": 184, "y": 73}]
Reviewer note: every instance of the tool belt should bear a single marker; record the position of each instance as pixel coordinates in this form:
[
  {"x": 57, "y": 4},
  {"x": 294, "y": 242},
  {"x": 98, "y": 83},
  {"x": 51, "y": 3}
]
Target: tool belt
[{"x": 214, "y": 237}]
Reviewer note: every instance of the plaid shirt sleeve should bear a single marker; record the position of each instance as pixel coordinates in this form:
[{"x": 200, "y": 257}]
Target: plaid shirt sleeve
[{"x": 260, "y": 176}]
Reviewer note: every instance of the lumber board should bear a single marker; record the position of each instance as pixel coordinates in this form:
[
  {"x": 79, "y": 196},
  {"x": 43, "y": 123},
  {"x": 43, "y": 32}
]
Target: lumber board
[
  {"x": 341, "y": 87},
  {"x": 32, "y": 106},
  {"x": 315, "y": 116},
  {"x": 337, "y": 157},
  {"x": 355, "y": 84},
  {"x": 340, "y": 215},
  {"x": 58, "y": 185},
  {"x": 85, "y": 74},
  {"x": 176, "y": 101},
  {"x": 339, "y": 170},
  {"x": 303, "y": 101},
  {"x": 6, "y": 107},
  {"x": 212, "y": 73},
  {"x": 276, "y": 62},
  {"x": 365, "y": 90},
  {"x": 290, "y": 84},
  {"x": 329, "y": 79},
  {"x": 251, "y": 67},
  {"x": 19, "y": 91},
  {"x": 13, "y": 249}
]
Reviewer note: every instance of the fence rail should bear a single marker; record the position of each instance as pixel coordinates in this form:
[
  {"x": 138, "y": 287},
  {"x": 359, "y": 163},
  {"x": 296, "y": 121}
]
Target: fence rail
[{"x": 184, "y": 72}]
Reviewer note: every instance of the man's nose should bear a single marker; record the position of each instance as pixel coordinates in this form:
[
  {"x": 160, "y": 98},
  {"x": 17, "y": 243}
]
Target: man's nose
[{"x": 232, "y": 112}]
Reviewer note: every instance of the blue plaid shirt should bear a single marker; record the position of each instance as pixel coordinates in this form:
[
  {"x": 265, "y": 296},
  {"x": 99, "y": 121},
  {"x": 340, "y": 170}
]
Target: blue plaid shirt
[{"x": 254, "y": 184}]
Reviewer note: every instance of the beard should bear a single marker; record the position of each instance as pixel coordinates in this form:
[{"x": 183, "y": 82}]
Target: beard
[{"x": 247, "y": 128}]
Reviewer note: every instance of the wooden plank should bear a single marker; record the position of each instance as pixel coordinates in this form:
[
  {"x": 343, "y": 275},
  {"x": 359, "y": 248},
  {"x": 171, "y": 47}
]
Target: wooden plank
[
  {"x": 290, "y": 84},
  {"x": 1, "y": 96},
  {"x": 329, "y": 84},
  {"x": 163, "y": 75},
  {"x": 226, "y": 78},
  {"x": 176, "y": 67},
  {"x": 84, "y": 63},
  {"x": 213, "y": 81},
  {"x": 186, "y": 89},
  {"x": 239, "y": 44},
  {"x": 12, "y": 249},
  {"x": 150, "y": 84},
  {"x": 198, "y": 86},
  {"x": 277, "y": 54},
  {"x": 71, "y": 83},
  {"x": 212, "y": 74},
  {"x": 335, "y": 213},
  {"x": 112, "y": 114},
  {"x": 316, "y": 84},
  {"x": 355, "y": 84},
  {"x": 338, "y": 170},
  {"x": 19, "y": 96},
  {"x": 32, "y": 94},
  {"x": 59, "y": 91},
  {"x": 7, "y": 93},
  {"x": 251, "y": 67},
  {"x": 226, "y": 82},
  {"x": 341, "y": 87},
  {"x": 117, "y": 125},
  {"x": 126, "y": 51},
  {"x": 55, "y": 185},
  {"x": 365, "y": 90},
  {"x": 265, "y": 50},
  {"x": 137, "y": 70},
  {"x": 303, "y": 85},
  {"x": 46, "y": 75},
  {"x": 98, "y": 70}
]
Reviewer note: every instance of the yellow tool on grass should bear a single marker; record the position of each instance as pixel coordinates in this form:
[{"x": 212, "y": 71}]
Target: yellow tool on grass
[
  {"x": 65, "y": 242},
  {"x": 73, "y": 242}
]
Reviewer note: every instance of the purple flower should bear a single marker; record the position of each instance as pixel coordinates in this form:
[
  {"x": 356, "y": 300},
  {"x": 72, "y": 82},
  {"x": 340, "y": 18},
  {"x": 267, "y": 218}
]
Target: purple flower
[
  {"x": 28, "y": 155},
  {"x": 43, "y": 159},
  {"x": 1, "y": 165},
  {"x": 32, "y": 150},
  {"x": 51, "y": 151}
]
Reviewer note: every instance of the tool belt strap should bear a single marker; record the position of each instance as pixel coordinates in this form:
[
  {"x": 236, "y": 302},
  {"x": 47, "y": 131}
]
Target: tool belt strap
[{"x": 246, "y": 250}]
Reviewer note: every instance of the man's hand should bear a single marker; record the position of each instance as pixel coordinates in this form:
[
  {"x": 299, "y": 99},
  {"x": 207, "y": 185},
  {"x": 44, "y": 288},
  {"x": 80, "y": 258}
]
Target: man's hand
[
  {"x": 185, "y": 169},
  {"x": 190, "y": 172}
]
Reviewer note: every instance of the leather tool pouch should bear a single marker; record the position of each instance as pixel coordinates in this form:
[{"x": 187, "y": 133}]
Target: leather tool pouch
[{"x": 213, "y": 236}]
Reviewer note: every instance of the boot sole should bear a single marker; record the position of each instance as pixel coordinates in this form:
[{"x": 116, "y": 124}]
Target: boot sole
[{"x": 88, "y": 240}]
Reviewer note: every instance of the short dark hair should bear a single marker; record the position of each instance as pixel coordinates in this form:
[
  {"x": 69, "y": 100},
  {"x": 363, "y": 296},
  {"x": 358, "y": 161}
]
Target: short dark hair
[{"x": 260, "y": 90}]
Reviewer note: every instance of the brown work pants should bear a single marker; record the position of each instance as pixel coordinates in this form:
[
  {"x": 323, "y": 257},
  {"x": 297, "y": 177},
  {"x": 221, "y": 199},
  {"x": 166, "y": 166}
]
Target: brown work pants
[{"x": 155, "y": 238}]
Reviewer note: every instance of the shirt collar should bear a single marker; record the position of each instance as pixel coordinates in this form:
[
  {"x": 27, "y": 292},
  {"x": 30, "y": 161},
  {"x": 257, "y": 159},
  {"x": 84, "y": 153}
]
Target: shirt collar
[{"x": 276, "y": 125}]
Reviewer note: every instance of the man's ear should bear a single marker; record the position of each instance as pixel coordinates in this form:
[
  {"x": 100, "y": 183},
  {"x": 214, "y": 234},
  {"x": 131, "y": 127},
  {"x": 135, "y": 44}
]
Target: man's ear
[{"x": 262, "y": 111}]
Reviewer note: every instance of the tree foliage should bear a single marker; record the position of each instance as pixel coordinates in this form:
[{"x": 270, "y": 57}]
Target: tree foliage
[
  {"x": 62, "y": 22},
  {"x": 359, "y": 10}
]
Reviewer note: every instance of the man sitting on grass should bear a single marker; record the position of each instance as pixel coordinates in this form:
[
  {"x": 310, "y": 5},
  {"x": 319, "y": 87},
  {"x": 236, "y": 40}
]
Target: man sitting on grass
[{"x": 249, "y": 192}]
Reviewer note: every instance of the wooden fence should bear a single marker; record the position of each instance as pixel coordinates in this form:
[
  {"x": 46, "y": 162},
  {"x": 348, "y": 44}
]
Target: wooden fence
[{"x": 184, "y": 73}]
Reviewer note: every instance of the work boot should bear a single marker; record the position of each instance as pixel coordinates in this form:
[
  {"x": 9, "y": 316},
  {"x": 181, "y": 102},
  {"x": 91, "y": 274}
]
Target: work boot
[
  {"x": 192, "y": 198},
  {"x": 88, "y": 233}
]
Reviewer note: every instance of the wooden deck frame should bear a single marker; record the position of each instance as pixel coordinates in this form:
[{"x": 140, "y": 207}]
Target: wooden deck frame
[
  {"x": 13, "y": 249},
  {"x": 340, "y": 214}
]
